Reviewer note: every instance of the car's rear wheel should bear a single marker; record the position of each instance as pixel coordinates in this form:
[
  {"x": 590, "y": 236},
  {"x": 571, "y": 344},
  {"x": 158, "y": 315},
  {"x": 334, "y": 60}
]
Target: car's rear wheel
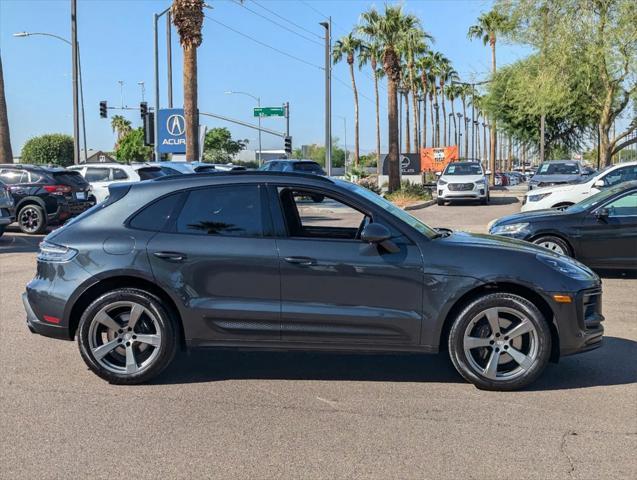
[
  {"x": 554, "y": 244},
  {"x": 500, "y": 341},
  {"x": 127, "y": 336},
  {"x": 32, "y": 219}
]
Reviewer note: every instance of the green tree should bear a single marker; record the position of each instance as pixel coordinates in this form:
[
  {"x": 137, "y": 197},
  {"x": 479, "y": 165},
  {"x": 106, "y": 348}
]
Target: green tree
[
  {"x": 131, "y": 147},
  {"x": 347, "y": 47},
  {"x": 413, "y": 46},
  {"x": 490, "y": 25},
  {"x": 219, "y": 147},
  {"x": 53, "y": 148},
  {"x": 121, "y": 126},
  {"x": 389, "y": 30}
]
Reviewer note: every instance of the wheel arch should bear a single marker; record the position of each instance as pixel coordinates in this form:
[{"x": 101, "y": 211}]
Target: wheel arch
[
  {"x": 503, "y": 287},
  {"x": 123, "y": 281},
  {"x": 31, "y": 200},
  {"x": 551, "y": 233}
]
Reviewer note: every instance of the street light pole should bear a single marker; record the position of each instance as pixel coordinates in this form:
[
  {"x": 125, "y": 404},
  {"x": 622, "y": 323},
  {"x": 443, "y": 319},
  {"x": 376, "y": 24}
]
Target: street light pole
[
  {"x": 328, "y": 95},
  {"x": 258, "y": 100},
  {"x": 76, "y": 115},
  {"x": 156, "y": 17}
]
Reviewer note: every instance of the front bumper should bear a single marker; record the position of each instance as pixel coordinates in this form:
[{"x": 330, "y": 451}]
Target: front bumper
[
  {"x": 474, "y": 194},
  {"x": 579, "y": 323}
]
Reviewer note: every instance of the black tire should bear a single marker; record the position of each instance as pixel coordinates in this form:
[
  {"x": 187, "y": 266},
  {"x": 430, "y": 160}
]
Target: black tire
[
  {"x": 155, "y": 319},
  {"x": 484, "y": 201},
  {"x": 318, "y": 198},
  {"x": 440, "y": 202},
  {"x": 538, "y": 341},
  {"x": 547, "y": 240},
  {"x": 2, "y": 230},
  {"x": 32, "y": 219}
]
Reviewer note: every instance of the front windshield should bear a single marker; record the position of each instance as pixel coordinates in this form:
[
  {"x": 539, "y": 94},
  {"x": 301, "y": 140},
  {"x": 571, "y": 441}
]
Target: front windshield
[
  {"x": 391, "y": 208},
  {"x": 463, "y": 169},
  {"x": 555, "y": 168},
  {"x": 595, "y": 200}
]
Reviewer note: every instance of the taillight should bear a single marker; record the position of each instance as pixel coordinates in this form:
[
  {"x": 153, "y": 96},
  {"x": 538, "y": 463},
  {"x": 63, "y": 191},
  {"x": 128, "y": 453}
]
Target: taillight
[{"x": 57, "y": 189}]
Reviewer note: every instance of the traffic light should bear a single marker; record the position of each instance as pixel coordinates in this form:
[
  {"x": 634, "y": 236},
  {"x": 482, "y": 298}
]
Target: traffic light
[
  {"x": 149, "y": 128},
  {"x": 288, "y": 145},
  {"x": 143, "y": 109},
  {"x": 103, "y": 108}
]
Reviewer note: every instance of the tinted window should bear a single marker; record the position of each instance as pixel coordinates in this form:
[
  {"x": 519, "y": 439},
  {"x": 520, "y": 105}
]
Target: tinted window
[
  {"x": 625, "y": 206},
  {"x": 70, "y": 178},
  {"x": 170, "y": 171},
  {"x": 150, "y": 172},
  {"x": 119, "y": 174},
  {"x": 37, "y": 177},
  {"x": 11, "y": 177},
  {"x": 154, "y": 216},
  {"x": 554, "y": 168},
  {"x": 227, "y": 211},
  {"x": 97, "y": 174},
  {"x": 308, "y": 167},
  {"x": 624, "y": 174}
]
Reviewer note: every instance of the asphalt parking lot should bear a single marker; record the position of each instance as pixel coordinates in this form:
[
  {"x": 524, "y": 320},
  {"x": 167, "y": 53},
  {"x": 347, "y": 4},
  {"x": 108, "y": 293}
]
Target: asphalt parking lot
[{"x": 295, "y": 415}]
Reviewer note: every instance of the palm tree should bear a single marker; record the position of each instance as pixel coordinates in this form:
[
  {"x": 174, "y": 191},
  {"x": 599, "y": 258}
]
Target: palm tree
[
  {"x": 120, "y": 126},
  {"x": 389, "y": 30},
  {"x": 438, "y": 60},
  {"x": 347, "y": 47},
  {"x": 404, "y": 84},
  {"x": 414, "y": 45},
  {"x": 424, "y": 64},
  {"x": 490, "y": 25},
  {"x": 453, "y": 91},
  {"x": 371, "y": 52},
  {"x": 446, "y": 74},
  {"x": 6, "y": 155},
  {"x": 464, "y": 91},
  {"x": 188, "y": 18}
]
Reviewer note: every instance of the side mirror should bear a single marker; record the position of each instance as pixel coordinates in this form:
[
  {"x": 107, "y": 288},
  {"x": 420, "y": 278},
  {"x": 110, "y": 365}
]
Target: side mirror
[
  {"x": 599, "y": 183},
  {"x": 438, "y": 174},
  {"x": 379, "y": 234},
  {"x": 602, "y": 213}
]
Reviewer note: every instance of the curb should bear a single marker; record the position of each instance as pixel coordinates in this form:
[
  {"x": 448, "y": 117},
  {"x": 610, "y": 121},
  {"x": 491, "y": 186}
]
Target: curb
[{"x": 418, "y": 206}]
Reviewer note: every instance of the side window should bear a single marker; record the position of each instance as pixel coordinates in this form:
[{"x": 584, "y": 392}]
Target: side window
[
  {"x": 625, "y": 206},
  {"x": 12, "y": 177},
  {"x": 119, "y": 174},
  {"x": 310, "y": 215},
  {"x": 97, "y": 174},
  {"x": 155, "y": 215},
  {"x": 233, "y": 211}
]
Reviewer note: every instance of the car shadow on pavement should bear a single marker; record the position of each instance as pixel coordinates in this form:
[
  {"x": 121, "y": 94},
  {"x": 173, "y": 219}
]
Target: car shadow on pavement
[
  {"x": 495, "y": 200},
  {"x": 613, "y": 364},
  {"x": 617, "y": 274}
]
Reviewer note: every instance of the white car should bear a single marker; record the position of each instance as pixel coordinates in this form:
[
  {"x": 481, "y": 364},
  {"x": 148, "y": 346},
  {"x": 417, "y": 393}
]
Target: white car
[
  {"x": 101, "y": 175},
  {"x": 463, "y": 181},
  {"x": 563, "y": 196}
]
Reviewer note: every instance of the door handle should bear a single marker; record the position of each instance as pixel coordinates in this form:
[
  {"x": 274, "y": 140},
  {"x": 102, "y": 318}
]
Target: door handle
[
  {"x": 300, "y": 260},
  {"x": 171, "y": 256}
]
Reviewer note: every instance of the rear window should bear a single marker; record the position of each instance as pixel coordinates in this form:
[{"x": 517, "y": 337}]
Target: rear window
[
  {"x": 308, "y": 167},
  {"x": 72, "y": 179},
  {"x": 149, "y": 173},
  {"x": 154, "y": 216},
  {"x": 95, "y": 174}
]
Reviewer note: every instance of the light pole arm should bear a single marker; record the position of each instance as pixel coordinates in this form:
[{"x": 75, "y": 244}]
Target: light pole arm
[{"x": 30, "y": 34}]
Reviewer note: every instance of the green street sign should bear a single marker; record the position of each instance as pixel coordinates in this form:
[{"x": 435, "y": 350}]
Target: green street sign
[{"x": 269, "y": 112}]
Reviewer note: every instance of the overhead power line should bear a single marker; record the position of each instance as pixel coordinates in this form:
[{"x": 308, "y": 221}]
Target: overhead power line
[
  {"x": 294, "y": 57},
  {"x": 287, "y": 20},
  {"x": 280, "y": 25}
]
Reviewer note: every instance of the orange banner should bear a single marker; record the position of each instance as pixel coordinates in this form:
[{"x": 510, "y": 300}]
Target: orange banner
[{"x": 436, "y": 159}]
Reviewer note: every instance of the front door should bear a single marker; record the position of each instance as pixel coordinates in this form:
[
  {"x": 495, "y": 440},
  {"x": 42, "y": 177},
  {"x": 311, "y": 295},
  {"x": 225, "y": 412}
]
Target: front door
[
  {"x": 611, "y": 241},
  {"x": 217, "y": 256},
  {"x": 335, "y": 288}
]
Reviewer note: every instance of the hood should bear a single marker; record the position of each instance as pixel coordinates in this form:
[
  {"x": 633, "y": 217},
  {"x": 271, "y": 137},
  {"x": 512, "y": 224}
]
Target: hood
[
  {"x": 555, "y": 178},
  {"x": 534, "y": 215},
  {"x": 462, "y": 178},
  {"x": 494, "y": 241}
]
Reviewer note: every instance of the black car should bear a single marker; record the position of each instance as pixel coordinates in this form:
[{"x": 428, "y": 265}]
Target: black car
[
  {"x": 247, "y": 260},
  {"x": 600, "y": 231},
  {"x": 298, "y": 166},
  {"x": 44, "y": 195},
  {"x": 6, "y": 208}
]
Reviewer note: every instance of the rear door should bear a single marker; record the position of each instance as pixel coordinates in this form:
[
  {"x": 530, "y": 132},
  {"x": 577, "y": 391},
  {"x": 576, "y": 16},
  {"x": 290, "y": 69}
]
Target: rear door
[
  {"x": 100, "y": 179},
  {"x": 335, "y": 288},
  {"x": 611, "y": 242},
  {"x": 219, "y": 256}
]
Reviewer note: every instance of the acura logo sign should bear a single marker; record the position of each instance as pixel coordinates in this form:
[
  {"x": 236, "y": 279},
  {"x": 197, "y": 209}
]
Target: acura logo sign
[{"x": 176, "y": 125}]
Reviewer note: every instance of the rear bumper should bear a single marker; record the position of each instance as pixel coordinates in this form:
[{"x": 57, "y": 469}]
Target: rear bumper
[
  {"x": 35, "y": 325},
  {"x": 67, "y": 210}
]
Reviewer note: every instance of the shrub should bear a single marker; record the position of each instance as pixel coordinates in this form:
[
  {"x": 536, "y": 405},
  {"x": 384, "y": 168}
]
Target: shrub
[{"x": 51, "y": 148}]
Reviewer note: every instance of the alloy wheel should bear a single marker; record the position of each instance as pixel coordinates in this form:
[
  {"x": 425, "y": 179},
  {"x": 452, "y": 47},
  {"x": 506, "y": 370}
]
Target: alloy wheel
[
  {"x": 553, "y": 246},
  {"x": 30, "y": 219},
  {"x": 124, "y": 337},
  {"x": 501, "y": 343}
]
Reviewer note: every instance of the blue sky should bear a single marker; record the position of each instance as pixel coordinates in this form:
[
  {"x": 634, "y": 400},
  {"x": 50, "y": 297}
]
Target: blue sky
[{"x": 116, "y": 40}]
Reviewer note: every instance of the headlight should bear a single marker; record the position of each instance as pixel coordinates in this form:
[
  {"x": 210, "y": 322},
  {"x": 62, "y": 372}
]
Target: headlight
[
  {"x": 49, "y": 252},
  {"x": 481, "y": 182},
  {"x": 566, "y": 267},
  {"x": 509, "y": 229},
  {"x": 537, "y": 198},
  {"x": 442, "y": 182}
]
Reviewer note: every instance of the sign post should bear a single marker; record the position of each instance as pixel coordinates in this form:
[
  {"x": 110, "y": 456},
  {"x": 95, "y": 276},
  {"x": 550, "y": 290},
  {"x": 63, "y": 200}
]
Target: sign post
[{"x": 269, "y": 111}]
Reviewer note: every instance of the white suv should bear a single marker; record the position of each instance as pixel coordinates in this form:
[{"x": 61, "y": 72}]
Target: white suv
[
  {"x": 463, "y": 181},
  {"x": 562, "y": 196},
  {"x": 101, "y": 175}
]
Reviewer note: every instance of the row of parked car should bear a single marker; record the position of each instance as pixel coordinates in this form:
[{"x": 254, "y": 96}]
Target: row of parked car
[{"x": 36, "y": 196}]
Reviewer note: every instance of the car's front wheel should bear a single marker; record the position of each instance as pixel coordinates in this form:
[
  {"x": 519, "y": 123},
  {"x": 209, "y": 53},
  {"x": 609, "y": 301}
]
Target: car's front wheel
[
  {"x": 554, "y": 244},
  {"x": 500, "y": 341},
  {"x": 127, "y": 336}
]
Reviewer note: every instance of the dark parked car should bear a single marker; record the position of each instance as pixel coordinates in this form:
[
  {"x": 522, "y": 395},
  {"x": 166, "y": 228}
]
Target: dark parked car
[
  {"x": 299, "y": 166},
  {"x": 6, "y": 208},
  {"x": 600, "y": 231},
  {"x": 44, "y": 195},
  {"x": 557, "y": 172},
  {"x": 246, "y": 260}
]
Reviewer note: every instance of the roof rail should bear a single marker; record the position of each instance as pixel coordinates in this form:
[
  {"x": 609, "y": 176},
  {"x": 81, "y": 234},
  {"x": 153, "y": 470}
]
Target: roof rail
[{"x": 233, "y": 173}]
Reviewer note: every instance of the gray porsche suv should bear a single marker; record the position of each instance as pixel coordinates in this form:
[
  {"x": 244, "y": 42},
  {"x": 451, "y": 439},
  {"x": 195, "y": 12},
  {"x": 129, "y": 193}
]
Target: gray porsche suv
[{"x": 249, "y": 260}]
